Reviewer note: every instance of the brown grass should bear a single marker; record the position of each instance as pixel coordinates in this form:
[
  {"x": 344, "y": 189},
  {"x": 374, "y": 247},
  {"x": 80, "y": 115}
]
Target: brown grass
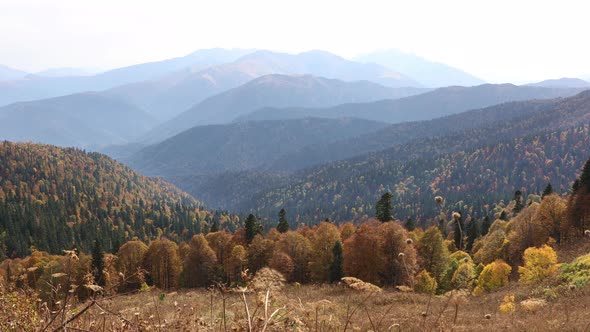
[{"x": 308, "y": 308}]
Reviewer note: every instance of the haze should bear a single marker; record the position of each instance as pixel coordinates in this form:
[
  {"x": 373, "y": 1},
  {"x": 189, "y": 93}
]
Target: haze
[{"x": 500, "y": 41}]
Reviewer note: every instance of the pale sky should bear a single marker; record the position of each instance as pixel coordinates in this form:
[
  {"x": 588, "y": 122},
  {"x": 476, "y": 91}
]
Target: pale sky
[{"x": 496, "y": 40}]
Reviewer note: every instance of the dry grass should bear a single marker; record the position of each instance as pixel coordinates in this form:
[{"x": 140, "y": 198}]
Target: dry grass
[{"x": 320, "y": 308}]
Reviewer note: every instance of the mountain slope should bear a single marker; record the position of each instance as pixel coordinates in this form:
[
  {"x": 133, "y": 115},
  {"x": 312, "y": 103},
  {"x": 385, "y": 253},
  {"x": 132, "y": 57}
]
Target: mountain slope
[
  {"x": 277, "y": 91},
  {"x": 426, "y": 106},
  {"x": 61, "y": 198},
  {"x": 430, "y": 74},
  {"x": 7, "y": 73},
  {"x": 83, "y": 120},
  {"x": 563, "y": 83},
  {"x": 485, "y": 164},
  {"x": 38, "y": 87},
  {"x": 170, "y": 95},
  {"x": 241, "y": 146}
]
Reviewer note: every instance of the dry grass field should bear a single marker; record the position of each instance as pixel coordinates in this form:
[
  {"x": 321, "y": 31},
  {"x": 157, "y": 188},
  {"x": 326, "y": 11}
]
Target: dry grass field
[{"x": 311, "y": 308}]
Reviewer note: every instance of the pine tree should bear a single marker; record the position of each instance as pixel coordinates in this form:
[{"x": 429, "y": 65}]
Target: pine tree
[
  {"x": 548, "y": 191},
  {"x": 410, "y": 224},
  {"x": 485, "y": 225},
  {"x": 383, "y": 208},
  {"x": 214, "y": 227},
  {"x": 336, "y": 271},
  {"x": 473, "y": 233},
  {"x": 503, "y": 215},
  {"x": 518, "y": 206},
  {"x": 585, "y": 176},
  {"x": 283, "y": 225},
  {"x": 252, "y": 228},
  {"x": 98, "y": 263}
]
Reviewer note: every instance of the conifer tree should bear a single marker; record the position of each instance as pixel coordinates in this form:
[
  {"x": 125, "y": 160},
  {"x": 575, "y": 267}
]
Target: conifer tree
[
  {"x": 473, "y": 233},
  {"x": 214, "y": 227},
  {"x": 585, "y": 176},
  {"x": 547, "y": 191},
  {"x": 383, "y": 208},
  {"x": 283, "y": 225},
  {"x": 98, "y": 263},
  {"x": 518, "y": 206},
  {"x": 410, "y": 224},
  {"x": 485, "y": 225},
  {"x": 252, "y": 228},
  {"x": 336, "y": 271}
]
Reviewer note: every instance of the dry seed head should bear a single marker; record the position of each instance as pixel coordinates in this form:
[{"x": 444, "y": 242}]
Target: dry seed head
[
  {"x": 424, "y": 314},
  {"x": 487, "y": 316},
  {"x": 438, "y": 199},
  {"x": 401, "y": 255},
  {"x": 409, "y": 241},
  {"x": 456, "y": 216},
  {"x": 572, "y": 286},
  {"x": 587, "y": 232}
]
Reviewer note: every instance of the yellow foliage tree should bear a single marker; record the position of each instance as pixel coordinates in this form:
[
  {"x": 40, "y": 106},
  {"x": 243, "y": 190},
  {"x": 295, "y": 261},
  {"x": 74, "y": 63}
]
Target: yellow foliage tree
[
  {"x": 539, "y": 263},
  {"x": 425, "y": 283},
  {"x": 492, "y": 277}
]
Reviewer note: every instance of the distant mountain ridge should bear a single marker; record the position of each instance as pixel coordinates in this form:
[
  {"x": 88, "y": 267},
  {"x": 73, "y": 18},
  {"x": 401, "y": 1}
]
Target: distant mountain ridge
[
  {"x": 82, "y": 120},
  {"x": 563, "y": 83},
  {"x": 430, "y": 74},
  {"x": 8, "y": 74},
  {"x": 426, "y": 106},
  {"x": 276, "y": 90}
]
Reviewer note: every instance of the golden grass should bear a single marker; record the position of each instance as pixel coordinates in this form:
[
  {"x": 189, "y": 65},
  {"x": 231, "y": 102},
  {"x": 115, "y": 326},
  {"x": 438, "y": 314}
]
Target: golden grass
[{"x": 318, "y": 308}]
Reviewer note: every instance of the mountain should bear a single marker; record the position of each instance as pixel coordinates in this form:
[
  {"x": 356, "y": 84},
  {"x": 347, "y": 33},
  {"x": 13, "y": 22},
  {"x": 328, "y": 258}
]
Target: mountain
[
  {"x": 426, "y": 106},
  {"x": 563, "y": 83},
  {"x": 430, "y": 74},
  {"x": 277, "y": 91},
  {"x": 8, "y": 74},
  {"x": 241, "y": 146},
  {"x": 37, "y": 87},
  {"x": 62, "y": 198},
  {"x": 82, "y": 120},
  {"x": 542, "y": 141},
  {"x": 170, "y": 95},
  {"x": 63, "y": 72}
]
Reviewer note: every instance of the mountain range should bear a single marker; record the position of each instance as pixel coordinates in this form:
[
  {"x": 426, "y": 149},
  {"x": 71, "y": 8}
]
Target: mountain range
[
  {"x": 430, "y": 74},
  {"x": 563, "y": 83},
  {"x": 7, "y": 73}
]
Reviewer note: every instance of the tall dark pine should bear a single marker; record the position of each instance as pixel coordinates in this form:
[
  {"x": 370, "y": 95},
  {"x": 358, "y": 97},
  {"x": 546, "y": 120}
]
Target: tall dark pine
[
  {"x": 336, "y": 271},
  {"x": 547, "y": 191},
  {"x": 214, "y": 227},
  {"x": 585, "y": 176},
  {"x": 283, "y": 225},
  {"x": 252, "y": 227},
  {"x": 473, "y": 233},
  {"x": 410, "y": 224},
  {"x": 518, "y": 206},
  {"x": 98, "y": 263},
  {"x": 485, "y": 225},
  {"x": 383, "y": 208}
]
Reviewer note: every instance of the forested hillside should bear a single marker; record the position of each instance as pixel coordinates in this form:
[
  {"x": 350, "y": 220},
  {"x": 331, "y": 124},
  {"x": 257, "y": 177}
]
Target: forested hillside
[
  {"x": 483, "y": 164},
  {"x": 54, "y": 198}
]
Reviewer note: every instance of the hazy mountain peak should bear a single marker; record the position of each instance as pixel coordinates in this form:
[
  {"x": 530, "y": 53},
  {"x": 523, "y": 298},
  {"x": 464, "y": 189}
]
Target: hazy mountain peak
[
  {"x": 7, "y": 73},
  {"x": 429, "y": 73},
  {"x": 564, "y": 82}
]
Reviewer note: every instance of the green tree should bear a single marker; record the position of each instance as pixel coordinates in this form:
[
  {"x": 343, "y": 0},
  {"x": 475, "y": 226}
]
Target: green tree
[
  {"x": 410, "y": 224},
  {"x": 283, "y": 225},
  {"x": 485, "y": 225},
  {"x": 336, "y": 270},
  {"x": 98, "y": 263},
  {"x": 383, "y": 208},
  {"x": 473, "y": 233},
  {"x": 547, "y": 191},
  {"x": 253, "y": 227},
  {"x": 433, "y": 252},
  {"x": 518, "y": 205}
]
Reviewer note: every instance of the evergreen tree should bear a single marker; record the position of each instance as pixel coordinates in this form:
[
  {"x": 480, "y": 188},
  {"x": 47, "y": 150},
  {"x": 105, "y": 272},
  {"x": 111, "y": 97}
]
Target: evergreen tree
[
  {"x": 576, "y": 186},
  {"x": 214, "y": 227},
  {"x": 98, "y": 263},
  {"x": 336, "y": 271},
  {"x": 473, "y": 233},
  {"x": 548, "y": 190},
  {"x": 252, "y": 227},
  {"x": 383, "y": 208},
  {"x": 485, "y": 225},
  {"x": 585, "y": 176},
  {"x": 410, "y": 224},
  {"x": 518, "y": 206},
  {"x": 283, "y": 225},
  {"x": 503, "y": 215}
]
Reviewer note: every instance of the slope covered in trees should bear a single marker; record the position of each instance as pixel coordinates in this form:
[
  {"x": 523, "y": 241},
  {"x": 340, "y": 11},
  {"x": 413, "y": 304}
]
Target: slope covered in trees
[
  {"x": 426, "y": 106},
  {"x": 59, "y": 198},
  {"x": 487, "y": 163}
]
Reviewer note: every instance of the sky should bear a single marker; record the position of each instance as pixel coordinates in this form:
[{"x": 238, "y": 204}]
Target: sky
[{"x": 498, "y": 41}]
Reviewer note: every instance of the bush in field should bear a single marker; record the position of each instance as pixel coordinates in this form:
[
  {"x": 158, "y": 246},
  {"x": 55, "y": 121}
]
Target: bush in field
[
  {"x": 492, "y": 277},
  {"x": 425, "y": 283},
  {"x": 539, "y": 263},
  {"x": 578, "y": 271}
]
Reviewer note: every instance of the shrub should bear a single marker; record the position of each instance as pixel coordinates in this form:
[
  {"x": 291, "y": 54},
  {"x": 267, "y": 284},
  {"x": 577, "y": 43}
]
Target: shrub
[
  {"x": 464, "y": 276},
  {"x": 493, "y": 276},
  {"x": 507, "y": 306},
  {"x": 425, "y": 283},
  {"x": 578, "y": 271},
  {"x": 539, "y": 263}
]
